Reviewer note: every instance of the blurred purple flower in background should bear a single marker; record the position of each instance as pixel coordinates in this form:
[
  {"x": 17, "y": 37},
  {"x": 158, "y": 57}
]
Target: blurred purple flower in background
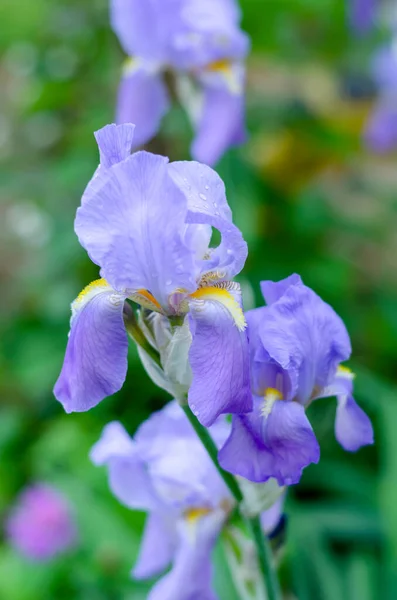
[
  {"x": 362, "y": 15},
  {"x": 148, "y": 225},
  {"x": 297, "y": 343},
  {"x": 381, "y": 131},
  {"x": 166, "y": 471},
  {"x": 40, "y": 525},
  {"x": 201, "y": 43}
]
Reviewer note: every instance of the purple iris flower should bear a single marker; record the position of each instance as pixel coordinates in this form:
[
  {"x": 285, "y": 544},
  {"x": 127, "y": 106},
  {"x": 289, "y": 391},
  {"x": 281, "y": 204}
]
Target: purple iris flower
[
  {"x": 200, "y": 41},
  {"x": 297, "y": 343},
  {"x": 40, "y": 525},
  {"x": 381, "y": 131},
  {"x": 148, "y": 224},
  {"x": 165, "y": 471},
  {"x": 362, "y": 15}
]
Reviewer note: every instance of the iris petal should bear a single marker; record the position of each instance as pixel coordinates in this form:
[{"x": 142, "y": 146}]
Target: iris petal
[
  {"x": 219, "y": 361},
  {"x": 95, "y": 363},
  {"x": 142, "y": 99}
]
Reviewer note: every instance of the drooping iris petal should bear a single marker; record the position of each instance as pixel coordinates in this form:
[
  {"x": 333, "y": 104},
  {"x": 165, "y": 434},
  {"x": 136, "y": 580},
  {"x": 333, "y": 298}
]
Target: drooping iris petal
[
  {"x": 132, "y": 228},
  {"x": 128, "y": 478},
  {"x": 221, "y": 123},
  {"x": 353, "y": 427},
  {"x": 207, "y": 204},
  {"x": 381, "y": 131},
  {"x": 219, "y": 361},
  {"x": 288, "y": 433},
  {"x": 304, "y": 335},
  {"x": 158, "y": 546},
  {"x": 277, "y": 446},
  {"x": 95, "y": 363},
  {"x": 191, "y": 575},
  {"x": 115, "y": 143},
  {"x": 244, "y": 452},
  {"x": 138, "y": 27},
  {"x": 142, "y": 99}
]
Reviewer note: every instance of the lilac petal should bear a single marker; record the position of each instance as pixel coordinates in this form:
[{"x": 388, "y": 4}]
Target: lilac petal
[
  {"x": 126, "y": 228},
  {"x": 291, "y": 439},
  {"x": 362, "y": 15},
  {"x": 245, "y": 452},
  {"x": 128, "y": 478},
  {"x": 157, "y": 547},
  {"x": 115, "y": 143},
  {"x": 278, "y": 447},
  {"x": 220, "y": 126},
  {"x": 191, "y": 575},
  {"x": 203, "y": 32},
  {"x": 219, "y": 360},
  {"x": 274, "y": 290},
  {"x": 138, "y": 27},
  {"x": 305, "y": 336},
  {"x": 95, "y": 364},
  {"x": 353, "y": 427},
  {"x": 381, "y": 131},
  {"x": 207, "y": 204},
  {"x": 143, "y": 100}
]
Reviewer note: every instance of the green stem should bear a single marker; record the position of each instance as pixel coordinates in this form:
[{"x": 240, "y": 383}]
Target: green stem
[
  {"x": 265, "y": 559},
  {"x": 212, "y": 450}
]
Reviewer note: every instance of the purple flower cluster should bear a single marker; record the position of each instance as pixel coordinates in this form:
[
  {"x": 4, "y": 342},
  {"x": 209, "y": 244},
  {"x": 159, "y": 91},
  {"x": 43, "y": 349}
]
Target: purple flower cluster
[
  {"x": 40, "y": 526},
  {"x": 201, "y": 44},
  {"x": 147, "y": 224},
  {"x": 165, "y": 471}
]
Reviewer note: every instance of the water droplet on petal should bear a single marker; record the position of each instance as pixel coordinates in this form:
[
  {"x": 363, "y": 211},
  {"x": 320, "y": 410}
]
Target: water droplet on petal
[
  {"x": 207, "y": 187},
  {"x": 193, "y": 407},
  {"x": 203, "y": 197},
  {"x": 168, "y": 282},
  {"x": 215, "y": 205},
  {"x": 228, "y": 251}
]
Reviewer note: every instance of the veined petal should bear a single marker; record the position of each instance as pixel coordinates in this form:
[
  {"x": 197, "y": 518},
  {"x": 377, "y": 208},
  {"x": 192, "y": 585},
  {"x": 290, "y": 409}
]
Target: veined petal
[
  {"x": 115, "y": 143},
  {"x": 353, "y": 427},
  {"x": 289, "y": 435},
  {"x": 222, "y": 120},
  {"x": 95, "y": 363},
  {"x": 207, "y": 204},
  {"x": 142, "y": 99},
  {"x": 132, "y": 229},
  {"x": 218, "y": 357},
  {"x": 128, "y": 478},
  {"x": 191, "y": 575},
  {"x": 277, "y": 446},
  {"x": 157, "y": 547}
]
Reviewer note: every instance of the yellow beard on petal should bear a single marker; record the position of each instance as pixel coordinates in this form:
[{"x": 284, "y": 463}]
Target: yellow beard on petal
[
  {"x": 271, "y": 396},
  {"x": 222, "y": 295}
]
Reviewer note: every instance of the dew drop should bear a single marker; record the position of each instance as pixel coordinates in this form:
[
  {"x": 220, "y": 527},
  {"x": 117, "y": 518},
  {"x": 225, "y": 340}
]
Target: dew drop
[
  {"x": 216, "y": 213},
  {"x": 193, "y": 407},
  {"x": 168, "y": 282},
  {"x": 207, "y": 187},
  {"x": 215, "y": 205},
  {"x": 203, "y": 197},
  {"x": 228, "y": 251}
]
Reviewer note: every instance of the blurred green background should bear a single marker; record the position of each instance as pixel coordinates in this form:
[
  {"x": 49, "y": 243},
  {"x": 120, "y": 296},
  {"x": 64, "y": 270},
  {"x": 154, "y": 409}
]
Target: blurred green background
[{"x": 308, "y": 198}]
